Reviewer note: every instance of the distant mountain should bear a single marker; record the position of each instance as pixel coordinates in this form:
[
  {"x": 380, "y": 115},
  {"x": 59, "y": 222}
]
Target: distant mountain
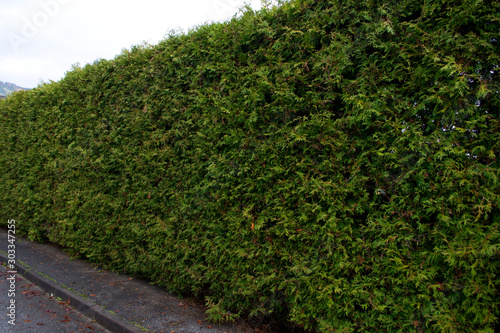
[{"x": 7, "y": 88}]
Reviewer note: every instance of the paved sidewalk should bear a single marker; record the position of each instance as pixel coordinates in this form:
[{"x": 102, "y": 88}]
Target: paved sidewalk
[
  {"x": 118, "y": 302},
  {"x": 36, "y": 311}
]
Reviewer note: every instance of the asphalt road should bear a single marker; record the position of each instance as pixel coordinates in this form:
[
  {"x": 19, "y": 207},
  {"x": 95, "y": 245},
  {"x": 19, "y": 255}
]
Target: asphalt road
[
  {"x": 121, "y": 301},
  {"x": 37, "y": 311}
]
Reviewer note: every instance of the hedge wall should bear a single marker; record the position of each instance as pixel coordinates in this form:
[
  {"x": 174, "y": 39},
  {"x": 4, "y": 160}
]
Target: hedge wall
[{"x": 330, "y": 162}]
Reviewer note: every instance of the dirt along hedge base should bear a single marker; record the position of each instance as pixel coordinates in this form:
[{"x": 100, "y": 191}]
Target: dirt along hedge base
[{"x": 332, "y": 163}]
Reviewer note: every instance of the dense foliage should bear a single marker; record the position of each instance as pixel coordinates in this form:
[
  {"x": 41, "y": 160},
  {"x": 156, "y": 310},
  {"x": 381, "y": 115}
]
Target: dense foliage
[{"x": 332, "y": 162}]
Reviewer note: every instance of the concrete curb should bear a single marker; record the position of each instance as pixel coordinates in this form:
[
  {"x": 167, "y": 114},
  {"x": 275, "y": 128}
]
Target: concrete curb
[{"x": 90, "y": 309}]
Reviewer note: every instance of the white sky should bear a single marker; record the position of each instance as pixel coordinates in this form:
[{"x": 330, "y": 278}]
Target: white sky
[{"x": 41, "y": 39}]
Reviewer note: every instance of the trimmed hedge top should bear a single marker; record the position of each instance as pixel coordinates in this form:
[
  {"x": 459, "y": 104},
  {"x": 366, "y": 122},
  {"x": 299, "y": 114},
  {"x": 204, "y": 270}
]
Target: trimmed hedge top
[{"x": 332, "y": 163}]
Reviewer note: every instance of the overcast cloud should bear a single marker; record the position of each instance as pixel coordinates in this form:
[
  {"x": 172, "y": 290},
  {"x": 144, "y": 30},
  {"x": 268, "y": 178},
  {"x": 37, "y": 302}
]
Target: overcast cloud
[{"x": 42, "y": 39}]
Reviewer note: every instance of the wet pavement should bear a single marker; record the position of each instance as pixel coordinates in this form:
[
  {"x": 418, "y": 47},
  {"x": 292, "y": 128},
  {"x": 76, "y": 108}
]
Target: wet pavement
[
  {"x": 118, "y": 302},
  {"x": 27, "y": 308}
]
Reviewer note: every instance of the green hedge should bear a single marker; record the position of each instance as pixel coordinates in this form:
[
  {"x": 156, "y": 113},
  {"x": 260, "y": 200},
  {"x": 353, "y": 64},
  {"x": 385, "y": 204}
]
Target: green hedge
[{"x": 333, "y": 163}]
